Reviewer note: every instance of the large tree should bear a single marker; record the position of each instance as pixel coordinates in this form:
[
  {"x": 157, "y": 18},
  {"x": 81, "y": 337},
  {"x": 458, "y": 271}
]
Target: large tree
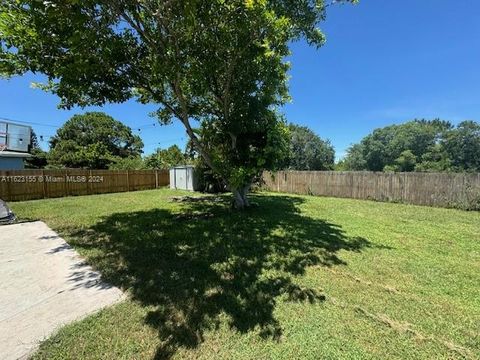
[
  {"x": 39, "y": 156},
  {"x": 308, "y": 151},
  {"x": 418, "y": 145},
  {"x": 93, "y": 140},
  {"x": 216, "y": 65},
  {"x": 397, "y": 147},
  {"x": 462, "y": 146},
  {"x": 166, "y": 158},
  {"x": 355, "y": 159}
]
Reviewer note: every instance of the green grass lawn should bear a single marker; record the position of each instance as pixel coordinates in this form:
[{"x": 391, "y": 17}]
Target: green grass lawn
[{"x": 297, "y": 277}]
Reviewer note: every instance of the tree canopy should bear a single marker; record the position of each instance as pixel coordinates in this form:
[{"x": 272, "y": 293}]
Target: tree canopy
[
  {"x": 462, "y": 146},
  {"x": 93, "y": 140},
  {"x": 128, "y": 163},
  {"x": 166, "y": 158},
  {"x": 217, "y": 65},
  {"x": 308, "y": 151},
  {"x": 39, "y": 157},
  {"x": 418, "y": 145}
]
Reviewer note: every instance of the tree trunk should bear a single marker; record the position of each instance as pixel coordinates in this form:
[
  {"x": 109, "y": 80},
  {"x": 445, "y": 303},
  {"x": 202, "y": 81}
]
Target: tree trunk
[{"x": 240, "y": 200}]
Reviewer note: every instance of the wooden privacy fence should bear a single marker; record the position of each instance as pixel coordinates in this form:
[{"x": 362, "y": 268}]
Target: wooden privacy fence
[
  {"x": 433, "y": 189},
  {"x": 16, "y": 185}
]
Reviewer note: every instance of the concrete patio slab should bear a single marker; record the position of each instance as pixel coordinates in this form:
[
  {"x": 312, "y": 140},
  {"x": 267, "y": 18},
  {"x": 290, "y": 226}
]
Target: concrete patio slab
[{"x": 44, "y": 284}]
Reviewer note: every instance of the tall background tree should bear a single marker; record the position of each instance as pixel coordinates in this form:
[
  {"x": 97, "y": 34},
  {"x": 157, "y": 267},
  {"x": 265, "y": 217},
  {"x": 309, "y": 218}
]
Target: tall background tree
[
  {"x": 418, "y": 145},
  {"x": 166, "y": 158},
  {"x": 218, "y": 66},
  {"x": 355, "y": 159},
  {"x": 39, "y": 156},
  {"x": 462, "y": 146},
  {"x": 128, "y": 163},
  {"x": 93, "y": 140},
  {"x": 308, "y": 151}
]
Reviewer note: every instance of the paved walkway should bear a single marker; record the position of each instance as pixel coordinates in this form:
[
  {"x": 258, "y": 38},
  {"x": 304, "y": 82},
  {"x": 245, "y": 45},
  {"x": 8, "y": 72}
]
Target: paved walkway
[{"x": 43, "y": 285}]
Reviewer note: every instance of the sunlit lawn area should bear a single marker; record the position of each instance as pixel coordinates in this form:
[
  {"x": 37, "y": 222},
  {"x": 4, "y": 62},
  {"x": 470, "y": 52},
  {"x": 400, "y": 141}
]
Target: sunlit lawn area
[{"x": 295, "y": 277}]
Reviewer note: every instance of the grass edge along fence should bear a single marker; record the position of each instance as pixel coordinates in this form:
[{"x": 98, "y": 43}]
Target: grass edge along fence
[
  {"x": 454, "y": 190},
  {"x": 19, "y": 185}
]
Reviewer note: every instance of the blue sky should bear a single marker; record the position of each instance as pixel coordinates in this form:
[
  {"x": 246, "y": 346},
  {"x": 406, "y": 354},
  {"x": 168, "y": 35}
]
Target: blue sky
[{"x": 385, "y": 62}]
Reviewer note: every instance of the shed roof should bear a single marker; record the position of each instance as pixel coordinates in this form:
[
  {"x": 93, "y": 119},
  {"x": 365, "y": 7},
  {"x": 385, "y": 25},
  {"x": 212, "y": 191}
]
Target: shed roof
[
  {"x": 182, "y": 167},
  {"x": 13, "y": 154}
]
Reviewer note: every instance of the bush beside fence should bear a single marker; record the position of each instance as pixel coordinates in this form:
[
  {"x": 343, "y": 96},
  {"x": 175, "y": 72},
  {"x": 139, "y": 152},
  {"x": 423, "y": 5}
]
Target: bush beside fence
[
  {"x": 18, "y": 185},
  {"x": 460, "y": 190}
]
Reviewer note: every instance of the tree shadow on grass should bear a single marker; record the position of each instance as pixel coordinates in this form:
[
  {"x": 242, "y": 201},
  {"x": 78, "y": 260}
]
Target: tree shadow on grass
[{"x": 194, "y": 265}]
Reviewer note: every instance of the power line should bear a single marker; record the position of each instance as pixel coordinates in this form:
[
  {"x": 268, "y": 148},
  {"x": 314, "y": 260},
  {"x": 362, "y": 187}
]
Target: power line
[
  {"x": 43, "y": 138},
  {"x": 164, "y": 141},
  {"x": 40, "y": 137},
  {"x": 29, "y": 122},
  {"x": 139, "y": 128}
]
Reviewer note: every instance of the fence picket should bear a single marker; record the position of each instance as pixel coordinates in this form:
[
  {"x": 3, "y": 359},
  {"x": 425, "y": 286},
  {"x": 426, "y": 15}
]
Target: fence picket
[
  {"x": 19, "y": 185},
  {"x": 435, "y": 189}
]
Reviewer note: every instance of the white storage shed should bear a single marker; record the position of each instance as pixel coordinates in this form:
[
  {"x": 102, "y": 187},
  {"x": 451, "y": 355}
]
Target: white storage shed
[{"x": 183, "y": 178}]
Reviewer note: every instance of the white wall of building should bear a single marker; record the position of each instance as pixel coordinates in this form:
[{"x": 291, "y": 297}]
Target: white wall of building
[{"x": 183, "y": 178}]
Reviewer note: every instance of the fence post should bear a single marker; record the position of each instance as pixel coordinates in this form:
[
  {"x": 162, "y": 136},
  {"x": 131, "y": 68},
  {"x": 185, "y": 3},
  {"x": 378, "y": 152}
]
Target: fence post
[
  {"x": 44, "y": 188},
  {"x": 66, "y": 183},
  {"x": 128, "y": 181},
  {"x": 156, "y": 179},
  {"x": 89, "y": 185},
  {"x": 8, "y": 197}
]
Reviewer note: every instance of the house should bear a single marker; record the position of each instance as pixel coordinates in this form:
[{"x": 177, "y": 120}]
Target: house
[
  {"x": 14, "y": 145},
  {"x": 12, "y": 160}
]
